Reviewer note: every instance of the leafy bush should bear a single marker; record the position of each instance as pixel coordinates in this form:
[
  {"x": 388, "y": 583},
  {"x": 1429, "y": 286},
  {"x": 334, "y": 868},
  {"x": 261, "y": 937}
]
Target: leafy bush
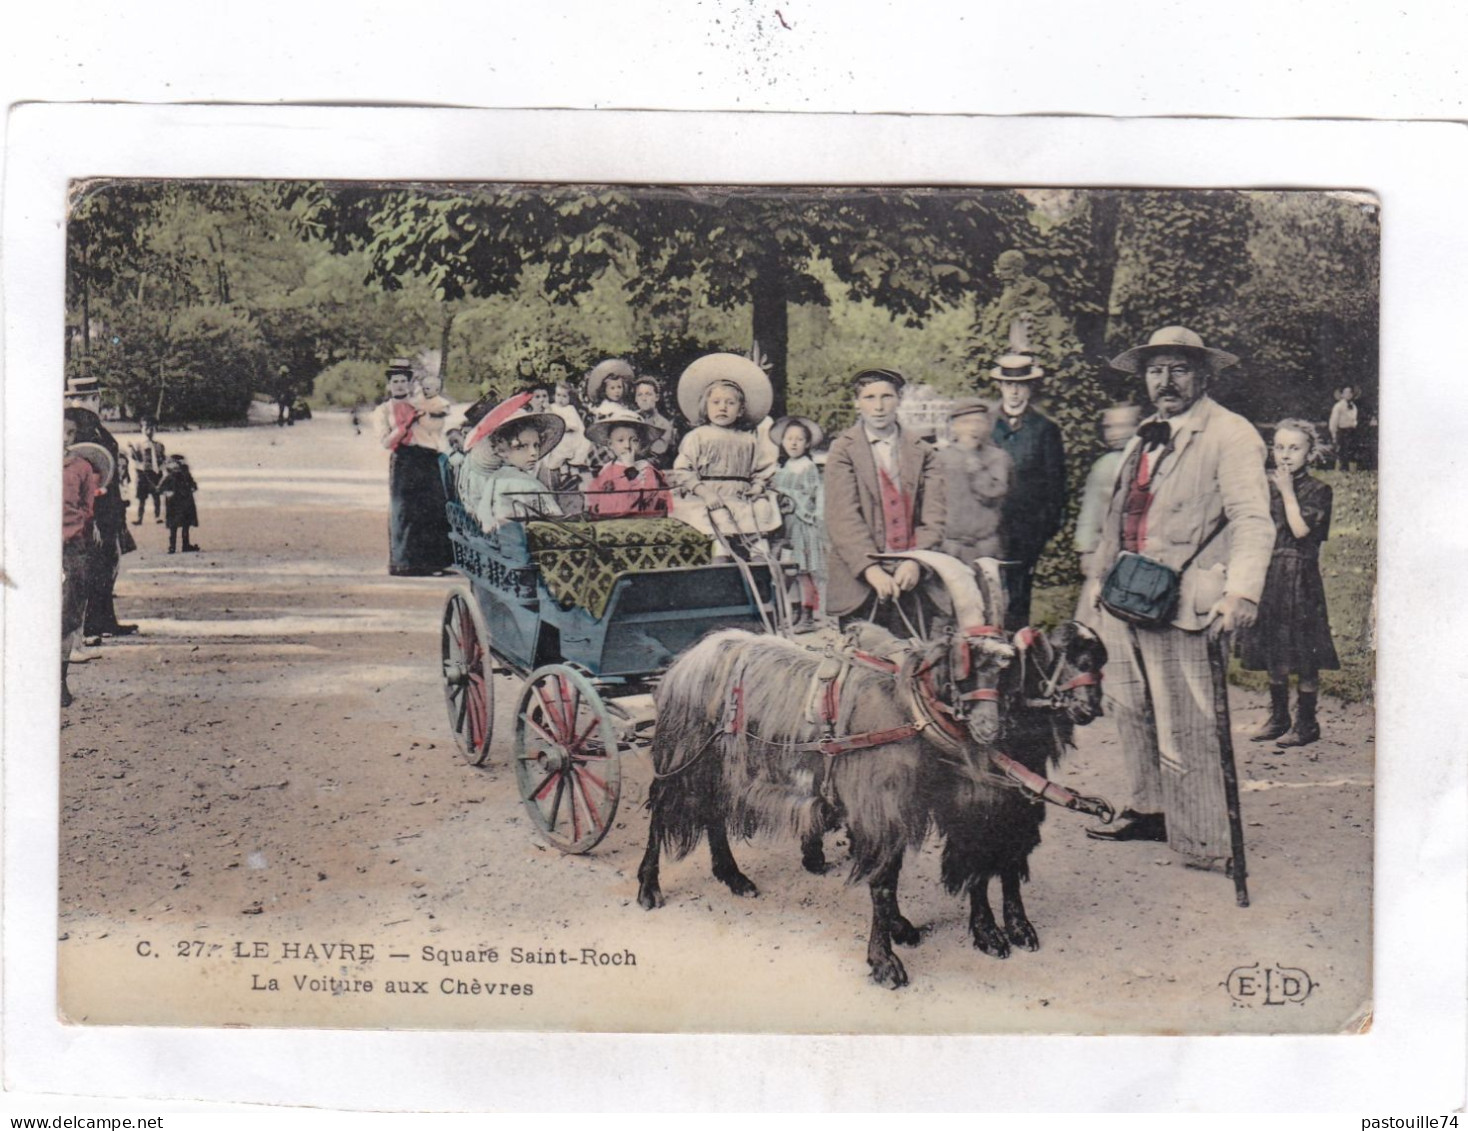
[{"x": 349, "y": 383}]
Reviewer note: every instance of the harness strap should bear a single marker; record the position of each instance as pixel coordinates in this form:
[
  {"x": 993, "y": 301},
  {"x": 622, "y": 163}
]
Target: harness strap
[
  {"x": 1040, "y": 786},
  {"x": 834, "y": 746}
]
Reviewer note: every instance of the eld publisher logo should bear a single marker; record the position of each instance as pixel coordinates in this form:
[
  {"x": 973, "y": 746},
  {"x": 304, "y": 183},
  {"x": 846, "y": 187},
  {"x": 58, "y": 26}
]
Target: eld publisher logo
[{"x": 1268, "y": 985}]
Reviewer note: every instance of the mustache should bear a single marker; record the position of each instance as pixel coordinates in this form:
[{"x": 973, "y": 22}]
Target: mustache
[{"x": 1168, "y": 390}]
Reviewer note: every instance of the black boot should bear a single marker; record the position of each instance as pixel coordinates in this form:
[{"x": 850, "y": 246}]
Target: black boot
[
  {"x": 1306, "y": 729},
  {"x": 1279, "y": 714},
  {"x": 65, "y": 691}
]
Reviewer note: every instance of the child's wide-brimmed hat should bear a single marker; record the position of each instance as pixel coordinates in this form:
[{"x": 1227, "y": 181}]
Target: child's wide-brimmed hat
[
  {"x": 612, "y": 367},
  {"x": 1016, "y": 367},
  {"x": 1175, "y": 339},
  {"x": 600, "y": 433},
  {"x": 99, "y": 457},
  {"x": 513, "y": 413},
  {"x": 812, "y": 429},
  {"x": 734, "y": 368}
]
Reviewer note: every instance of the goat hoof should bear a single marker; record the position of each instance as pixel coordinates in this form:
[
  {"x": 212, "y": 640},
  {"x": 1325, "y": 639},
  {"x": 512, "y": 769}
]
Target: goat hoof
[
  {"x": 1022, "y": 935},
  {"x": 992, "y": 942},
  {"x": 649, "y": 897},
  {"x": 814, "y": 863},
  {"x": 740, "y": 885},
  {"x": 904, "y": 933},
  {"x": 888, "y": 971}
]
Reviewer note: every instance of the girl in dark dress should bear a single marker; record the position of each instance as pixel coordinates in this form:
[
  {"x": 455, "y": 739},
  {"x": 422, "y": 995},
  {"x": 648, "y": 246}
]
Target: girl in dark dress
[
  {"x": 1292, "y": 631},
  {"x": 179, "y": 510}
]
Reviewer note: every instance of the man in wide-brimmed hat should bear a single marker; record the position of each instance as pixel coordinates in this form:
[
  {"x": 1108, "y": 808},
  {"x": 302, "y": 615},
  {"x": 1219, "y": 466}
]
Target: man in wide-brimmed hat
[
  {"x": 1034, "y": 508},
  {"x": 1190, "y": 492},
  {"x": 884, "y": 493}
]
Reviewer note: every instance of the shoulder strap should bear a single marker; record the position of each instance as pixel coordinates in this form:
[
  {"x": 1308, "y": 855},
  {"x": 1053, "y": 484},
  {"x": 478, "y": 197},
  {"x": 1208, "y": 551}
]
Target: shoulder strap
[{"x": 1203, "y": 545}]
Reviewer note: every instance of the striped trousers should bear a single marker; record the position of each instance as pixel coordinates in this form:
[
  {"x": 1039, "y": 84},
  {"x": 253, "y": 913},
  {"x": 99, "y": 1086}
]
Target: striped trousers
[{"x": 1159, "y": 689}]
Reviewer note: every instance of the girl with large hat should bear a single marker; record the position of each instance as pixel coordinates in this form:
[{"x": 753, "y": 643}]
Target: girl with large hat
[
  {"x": 723, "y": 470},
  {"x": 518, "y": 438}
]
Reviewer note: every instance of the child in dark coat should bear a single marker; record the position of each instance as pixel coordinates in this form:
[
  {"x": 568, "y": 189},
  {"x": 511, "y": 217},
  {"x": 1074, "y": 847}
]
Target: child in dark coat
[{"x": 177, "y": 488}]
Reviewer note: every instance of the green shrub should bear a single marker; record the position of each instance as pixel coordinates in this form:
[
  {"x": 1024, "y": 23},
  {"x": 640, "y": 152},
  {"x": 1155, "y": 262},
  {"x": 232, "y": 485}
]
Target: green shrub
[{"x": 349, "y": 383}]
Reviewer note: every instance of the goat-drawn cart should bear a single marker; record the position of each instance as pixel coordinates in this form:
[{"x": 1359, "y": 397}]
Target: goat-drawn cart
[{"x": 587, "y": 614}]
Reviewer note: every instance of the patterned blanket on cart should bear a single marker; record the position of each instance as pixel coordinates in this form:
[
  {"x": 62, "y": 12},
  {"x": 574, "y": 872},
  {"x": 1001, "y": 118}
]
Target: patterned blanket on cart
[{"x": 579, "y": 559}]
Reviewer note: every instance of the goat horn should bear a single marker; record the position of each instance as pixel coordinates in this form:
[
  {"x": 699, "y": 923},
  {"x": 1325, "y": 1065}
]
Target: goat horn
[{"x": 969, "y": 605}]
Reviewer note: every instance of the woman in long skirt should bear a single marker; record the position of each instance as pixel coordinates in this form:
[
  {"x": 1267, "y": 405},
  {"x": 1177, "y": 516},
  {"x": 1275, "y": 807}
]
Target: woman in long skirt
[{"x": 418, "y": 541}]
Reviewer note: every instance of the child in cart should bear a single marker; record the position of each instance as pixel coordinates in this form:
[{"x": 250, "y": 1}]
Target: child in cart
[
  {"x": 629, "y": 485},
  {"x": 517, "y": 437},
  {"x": 723, "y": 470}
]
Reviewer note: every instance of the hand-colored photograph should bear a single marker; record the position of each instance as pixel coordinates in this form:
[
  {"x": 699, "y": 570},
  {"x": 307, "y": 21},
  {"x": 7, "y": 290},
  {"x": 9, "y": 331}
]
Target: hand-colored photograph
[{"x": 718, "y": 609}]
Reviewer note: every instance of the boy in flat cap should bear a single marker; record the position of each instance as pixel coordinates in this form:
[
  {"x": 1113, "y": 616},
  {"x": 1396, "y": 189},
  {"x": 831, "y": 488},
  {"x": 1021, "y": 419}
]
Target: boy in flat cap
[{"x": 884, "y": 493}]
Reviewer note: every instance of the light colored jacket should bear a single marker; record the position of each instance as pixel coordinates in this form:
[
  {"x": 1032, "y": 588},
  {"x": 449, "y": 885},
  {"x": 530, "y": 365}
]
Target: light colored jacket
[{"x": 1216, "y": 467}]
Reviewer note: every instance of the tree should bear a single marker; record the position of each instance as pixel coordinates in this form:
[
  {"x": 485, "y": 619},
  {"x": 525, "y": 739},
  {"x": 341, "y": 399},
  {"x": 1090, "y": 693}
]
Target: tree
[
  {"x": 909, "y": 251},
  {"x": 1308, "y": 314}
]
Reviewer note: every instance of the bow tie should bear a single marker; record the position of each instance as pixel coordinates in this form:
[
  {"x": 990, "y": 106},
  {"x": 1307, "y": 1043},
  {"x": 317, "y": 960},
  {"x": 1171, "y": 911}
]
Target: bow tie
[
  {"x": 629, "y": 472},
  {"x": 1155, "y": 434}
]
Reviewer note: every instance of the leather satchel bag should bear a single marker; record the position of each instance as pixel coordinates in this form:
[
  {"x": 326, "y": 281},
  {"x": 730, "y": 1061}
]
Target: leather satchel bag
[{"x": 1143, "y": 591}]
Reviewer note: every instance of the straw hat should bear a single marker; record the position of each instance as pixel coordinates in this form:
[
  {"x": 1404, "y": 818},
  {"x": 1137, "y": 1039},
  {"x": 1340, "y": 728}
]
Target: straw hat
[
  {"x": 82, "y": 387},
  {"x": 513, "y": 412},
  {"x": 812, "y": 429},
  {"x": 1172, "y": 338},
  {"x": 99, "y": 457},
  {"x": 731, "y": 367},
  {"x": 600, "y": 433},
  {"x": 611, "y": 367},
  {"x": 1016, "y": 367}
]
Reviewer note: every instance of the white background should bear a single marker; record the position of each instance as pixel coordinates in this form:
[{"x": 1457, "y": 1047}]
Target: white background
[{"x": 1253, "y": 59}]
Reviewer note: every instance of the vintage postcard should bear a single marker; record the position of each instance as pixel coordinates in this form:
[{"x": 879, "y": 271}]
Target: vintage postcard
[
  {"x": 679, "y": 605},
  {"x": 371, "y": 658}
]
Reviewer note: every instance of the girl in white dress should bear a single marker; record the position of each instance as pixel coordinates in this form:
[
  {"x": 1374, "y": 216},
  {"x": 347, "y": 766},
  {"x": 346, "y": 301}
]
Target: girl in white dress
[{"x": 723, "y": 470}]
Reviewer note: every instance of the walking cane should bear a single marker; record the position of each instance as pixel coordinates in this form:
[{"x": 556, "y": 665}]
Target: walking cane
[{"x": 1218, "y": 662}]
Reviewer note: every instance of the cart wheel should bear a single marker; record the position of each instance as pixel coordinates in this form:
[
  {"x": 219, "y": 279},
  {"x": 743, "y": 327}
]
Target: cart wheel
[
  {"x": 468, "y": 686},
  {"x": 566, "y": 758}
]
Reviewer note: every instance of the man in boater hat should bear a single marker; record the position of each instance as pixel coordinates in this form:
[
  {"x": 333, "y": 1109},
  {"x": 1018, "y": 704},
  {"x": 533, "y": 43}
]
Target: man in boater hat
[
  {"x": 1190, "y": 492},
  {"x": 1034, "y": 509}
]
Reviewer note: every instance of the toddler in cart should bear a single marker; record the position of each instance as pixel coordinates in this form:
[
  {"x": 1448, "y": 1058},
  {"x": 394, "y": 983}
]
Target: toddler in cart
[{"x": 629, "y": 485}]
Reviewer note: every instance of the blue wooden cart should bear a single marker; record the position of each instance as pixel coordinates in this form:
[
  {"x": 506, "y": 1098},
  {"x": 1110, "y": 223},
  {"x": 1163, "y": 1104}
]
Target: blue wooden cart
[{"x": 588, "y": 672}]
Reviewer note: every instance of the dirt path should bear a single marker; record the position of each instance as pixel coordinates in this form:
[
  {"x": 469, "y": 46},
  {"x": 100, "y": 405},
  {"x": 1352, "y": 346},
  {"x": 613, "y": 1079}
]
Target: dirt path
[{"x": 266, "y": 768}]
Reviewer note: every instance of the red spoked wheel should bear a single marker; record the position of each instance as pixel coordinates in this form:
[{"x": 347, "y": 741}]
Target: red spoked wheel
[
  {"x": 468, "y": 685},
  {"x": 566, "y": 759}
]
